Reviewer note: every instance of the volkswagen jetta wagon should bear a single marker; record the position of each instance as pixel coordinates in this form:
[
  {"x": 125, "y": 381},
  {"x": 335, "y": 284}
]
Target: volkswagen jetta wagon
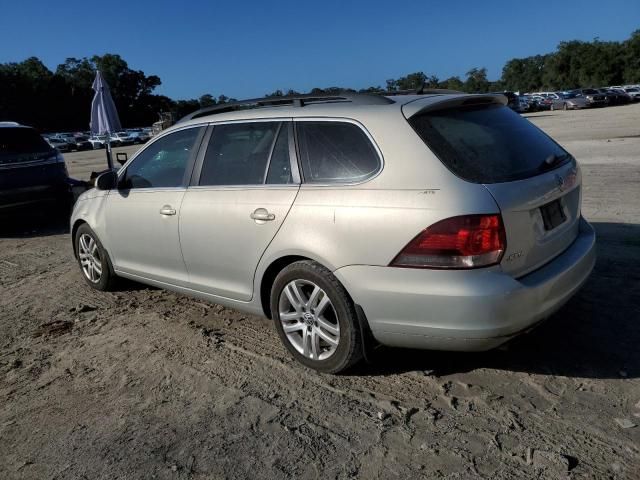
[{"x": 437, "y": 221}]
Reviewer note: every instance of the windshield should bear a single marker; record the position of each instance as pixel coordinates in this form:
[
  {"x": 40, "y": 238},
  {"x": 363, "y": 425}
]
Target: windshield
[
  {"x": 570, "y": 95},
  {"x": 488, "y": 144}
]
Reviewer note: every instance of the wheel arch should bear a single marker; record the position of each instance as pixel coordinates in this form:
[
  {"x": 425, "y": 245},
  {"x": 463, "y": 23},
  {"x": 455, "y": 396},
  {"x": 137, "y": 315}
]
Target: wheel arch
[
  {"x": 269, "y": 276},
  {"x": 74, "y": 229}
]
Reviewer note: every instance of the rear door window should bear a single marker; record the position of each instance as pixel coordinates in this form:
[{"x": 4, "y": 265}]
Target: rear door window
[
  {"x": 238, "y": 154},
  {"x": 335, "y": 152},
  {"x": 488, "y": 144}
]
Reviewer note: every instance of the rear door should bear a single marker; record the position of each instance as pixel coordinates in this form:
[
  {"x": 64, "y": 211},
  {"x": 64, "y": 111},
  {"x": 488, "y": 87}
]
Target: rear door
[
  {"x": 534, "y": 181},
  {"x": 241, "y": 193}
]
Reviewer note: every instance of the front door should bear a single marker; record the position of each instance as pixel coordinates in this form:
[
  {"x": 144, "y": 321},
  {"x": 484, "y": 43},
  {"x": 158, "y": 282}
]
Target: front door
[
  {"x": 243, "y": 194},
  {"x": 142, "y": 214}
]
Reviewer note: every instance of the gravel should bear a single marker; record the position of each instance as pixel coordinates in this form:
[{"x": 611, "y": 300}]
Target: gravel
[{"x": 144, "y": 383}]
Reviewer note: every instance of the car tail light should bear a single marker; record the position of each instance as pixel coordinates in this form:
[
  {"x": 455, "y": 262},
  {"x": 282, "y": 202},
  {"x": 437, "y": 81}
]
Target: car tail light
[{"x": 468, "y": 241}]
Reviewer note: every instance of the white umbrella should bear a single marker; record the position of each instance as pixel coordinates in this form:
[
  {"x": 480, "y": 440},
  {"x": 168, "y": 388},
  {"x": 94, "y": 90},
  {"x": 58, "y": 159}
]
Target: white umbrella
[{"x": 104, "y": 116}]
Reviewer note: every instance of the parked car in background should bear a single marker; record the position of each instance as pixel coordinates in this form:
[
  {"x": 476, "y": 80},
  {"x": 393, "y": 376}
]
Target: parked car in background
[
  {"x": 98, "y": 141},
  {"x": 81, "y": 142},
  {"x": 569, "y": 101},
  {"x": 61, "y": 145},
  {"x": 75, "y": 142},
  {"x": 525, "y": 106},
  {"x": 31, "y": 170},
  {"x": 593, "y": 97},
  {"x": 623, "y": 97},
  {"x": 542, "y": 102},
  {"x": 119, "y": 139},
  {"x": 513, "y": 100},
  {"x": 138, "y": 135},
  {"x": 527, "y": 103},
  {"x": 633, "y": 92},
  {"x": 265, "y": 210},
  {"x": 614, "y": 97}
]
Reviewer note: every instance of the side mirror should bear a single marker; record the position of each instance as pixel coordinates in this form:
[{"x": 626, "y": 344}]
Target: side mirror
[
  {"x": 107, "y": 181},
  {"x": 122, "y": 158}
]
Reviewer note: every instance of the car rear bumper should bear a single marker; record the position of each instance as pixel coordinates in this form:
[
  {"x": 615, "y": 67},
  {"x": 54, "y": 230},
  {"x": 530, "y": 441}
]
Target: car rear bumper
[
  {"x": 34, "y": 194},
  {"x": 467, "y": 310}
]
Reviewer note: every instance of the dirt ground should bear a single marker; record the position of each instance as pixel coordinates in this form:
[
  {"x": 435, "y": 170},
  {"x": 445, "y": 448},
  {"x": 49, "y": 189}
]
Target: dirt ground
[{"x": 143, "y": 383}]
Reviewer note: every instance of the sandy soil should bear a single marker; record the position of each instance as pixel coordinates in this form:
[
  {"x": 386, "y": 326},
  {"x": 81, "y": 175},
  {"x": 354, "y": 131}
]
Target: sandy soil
[{"x": 143, "y": 383}]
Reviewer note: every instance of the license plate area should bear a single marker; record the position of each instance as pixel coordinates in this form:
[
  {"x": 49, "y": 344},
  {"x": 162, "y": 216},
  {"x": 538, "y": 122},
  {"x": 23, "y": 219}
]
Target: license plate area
[{"x": 552, "y": 215}]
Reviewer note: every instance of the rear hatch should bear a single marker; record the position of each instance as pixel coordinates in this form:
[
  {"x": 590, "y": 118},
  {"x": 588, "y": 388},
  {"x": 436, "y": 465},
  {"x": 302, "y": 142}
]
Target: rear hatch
[
  {"x": 534, "y": 181},
  {"x": 27, "y": 160}
]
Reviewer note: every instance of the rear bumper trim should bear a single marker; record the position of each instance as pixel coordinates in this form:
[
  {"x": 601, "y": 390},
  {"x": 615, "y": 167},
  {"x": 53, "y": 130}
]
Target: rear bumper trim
[{"x": 466, "y": 310}]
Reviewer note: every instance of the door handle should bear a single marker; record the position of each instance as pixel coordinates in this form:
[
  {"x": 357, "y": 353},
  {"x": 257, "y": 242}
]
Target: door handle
[
  {"x": 167, "y": 210},
  {"x": 262, "y": 215}
]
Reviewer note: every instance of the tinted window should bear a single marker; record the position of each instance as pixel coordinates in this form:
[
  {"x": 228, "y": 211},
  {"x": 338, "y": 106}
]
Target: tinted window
[
  {"x": 280, "y": 164},
  {"x": 487, "y": 144},
  {"x": 21, "y": 140},
  {"x": 335, "y": 152},
  {"x": 238, "y": 154},
  {"x": 163, "y": 163},
  {"x": 22, "y": 144}
]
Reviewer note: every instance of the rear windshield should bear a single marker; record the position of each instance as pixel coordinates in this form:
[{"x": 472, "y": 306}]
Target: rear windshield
[
  {"x": 22, "y": 144},
  {"x": 488, "y": 144}
]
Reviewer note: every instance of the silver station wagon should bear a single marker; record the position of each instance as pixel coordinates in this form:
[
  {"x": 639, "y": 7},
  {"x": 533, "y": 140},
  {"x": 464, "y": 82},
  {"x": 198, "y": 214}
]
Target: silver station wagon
[{"x": 436, "y": 220}]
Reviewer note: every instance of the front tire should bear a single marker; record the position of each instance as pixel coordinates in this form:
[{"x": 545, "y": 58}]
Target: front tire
[
  {"x": 95, "y": 264},
  {"x": 315, "y": 317}
]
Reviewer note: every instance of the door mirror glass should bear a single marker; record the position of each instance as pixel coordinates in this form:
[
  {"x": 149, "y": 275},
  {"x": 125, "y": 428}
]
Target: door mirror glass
[
  {"x": 122, "y": 157},
  {"x": 107, "y": 181}
]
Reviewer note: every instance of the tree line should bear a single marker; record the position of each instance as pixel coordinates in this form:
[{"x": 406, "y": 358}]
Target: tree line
[{"x": 32, "y": 94}]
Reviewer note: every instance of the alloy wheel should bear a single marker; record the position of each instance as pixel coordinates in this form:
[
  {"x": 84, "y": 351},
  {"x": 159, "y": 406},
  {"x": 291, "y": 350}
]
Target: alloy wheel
[
  {"x": 89, "y": 255},
  {"x": 309, "y": 319}
]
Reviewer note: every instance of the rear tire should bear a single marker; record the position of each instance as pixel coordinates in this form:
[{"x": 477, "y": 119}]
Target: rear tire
[
  {"x": 322, "y": 328},
  {"x": 93, "y": 259}
]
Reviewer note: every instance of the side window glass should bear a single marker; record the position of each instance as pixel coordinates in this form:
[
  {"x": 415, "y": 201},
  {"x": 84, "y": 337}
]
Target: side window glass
[
  {"x": 280, "y": 165},
  {"x": 238, "y": 154},
  {"x": 163, "y": 163},
  {"x": 335, "y": 152}
]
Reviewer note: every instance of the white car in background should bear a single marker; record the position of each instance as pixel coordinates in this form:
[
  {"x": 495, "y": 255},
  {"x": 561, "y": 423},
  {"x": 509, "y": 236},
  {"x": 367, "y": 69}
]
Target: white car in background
[
  {"x": 120, "y": 138},
  {"x": 98, "y": 141},
  {"x": 138, "y": 135}
]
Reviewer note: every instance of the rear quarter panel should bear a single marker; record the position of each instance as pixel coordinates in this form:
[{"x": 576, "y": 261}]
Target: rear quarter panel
[{"x": 369, "y": 223}]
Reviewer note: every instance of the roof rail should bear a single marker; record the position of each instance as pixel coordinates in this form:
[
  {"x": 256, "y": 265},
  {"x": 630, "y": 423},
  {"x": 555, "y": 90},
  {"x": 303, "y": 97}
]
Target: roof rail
[
  {"x": 289, "y": 101},
  {"x": 422, "y": 91}
]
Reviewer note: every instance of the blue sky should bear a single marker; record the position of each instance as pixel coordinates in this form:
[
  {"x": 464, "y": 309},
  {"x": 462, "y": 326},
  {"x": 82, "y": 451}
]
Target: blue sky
[{"x": 248, "y": 48}]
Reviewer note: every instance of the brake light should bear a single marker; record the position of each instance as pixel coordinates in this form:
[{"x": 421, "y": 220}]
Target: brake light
[{"x": 468, "y": 241}]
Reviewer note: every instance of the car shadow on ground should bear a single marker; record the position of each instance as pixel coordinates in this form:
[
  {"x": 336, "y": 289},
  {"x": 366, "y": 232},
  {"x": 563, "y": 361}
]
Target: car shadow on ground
[
  {"x": 35, "y": 221},
  {"x": 595, "y": 335}
]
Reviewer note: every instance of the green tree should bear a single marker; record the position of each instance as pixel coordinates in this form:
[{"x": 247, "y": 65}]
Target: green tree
[{"x": 476, "y": 81}]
